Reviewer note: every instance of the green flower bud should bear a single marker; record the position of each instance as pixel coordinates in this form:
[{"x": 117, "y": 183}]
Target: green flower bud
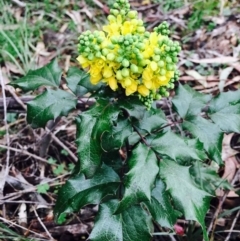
[
  {"x": 156, "y": 58},
  {"x": 90, "y": 56},
  {"x": 110, "y": 57},
  {"x": 161, "y": 63},
  {"x": 119, "y": 59},
  {"x": 119, "y": 75},
  {"x": 134, "y": 68},
  {"x": 168, "y": 59},
  {"x": 115, "y": 5},
  {"x": 98, "y": 54},
  {"x": 111, "y": 18},
  {"x": 125, "y": 72},
  {"x": 162, "y": 72},
  {"x": 169, "y": 67},
  {"x": 125, "y": 63},
  {"x": 105, "y": 52},
  {"x": 115, "y": 12},
  {"x": 123, "y": 12},
  {"x": 132, "y": 14}
]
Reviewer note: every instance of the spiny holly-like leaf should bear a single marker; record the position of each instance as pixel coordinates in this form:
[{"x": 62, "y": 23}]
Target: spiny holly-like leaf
[
  {"x": 188, "y": 101},
  {"x": 75, "y": 75},
  {"x": 140, "y": 178},
  {"x": 88, "y": 148},
  {"x": 131, "y": 225},
  {"x": 152, "y": 120},
  {"x": 114, "y": 137},
  {"x": 48, "y": 106},
  {"x": 187, "y": 196},
  {"x": 49, "y": 75},
  {"x": 208, "y": 133},
  {"x": 160, "y": 206},
  {"x": 78, "y": 81},
  {"x": 224, "y": 110},
  {"x": 79, "y": 191},
  {"x": 174, "y": 146},
  {"x": 134, "y": 107},
  {"x": 207, "y": 178}
]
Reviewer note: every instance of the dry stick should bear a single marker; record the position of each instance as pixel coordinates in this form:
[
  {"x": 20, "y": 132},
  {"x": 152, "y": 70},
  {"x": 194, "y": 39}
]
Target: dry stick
[
  {"x": 6, "y": 171},
  {"x": 26, "y": 153},
  {"x": 213, "y": 223},
  {"x": 62, "y": 145},
  {"x": 233, "y": 225},
  {"x": 20, "y": 4},
  {"x": 44, "y": 227},
  {"x": 47, "y": 130},
  {"x": 12, "y": 223}
]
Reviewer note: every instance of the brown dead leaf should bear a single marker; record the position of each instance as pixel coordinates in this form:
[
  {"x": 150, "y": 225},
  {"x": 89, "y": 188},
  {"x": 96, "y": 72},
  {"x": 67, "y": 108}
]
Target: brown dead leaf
[
  {"x": 201, "y": 79},
  {"x": 223, "y": 77},
  {"x": 218, "y": 60}
]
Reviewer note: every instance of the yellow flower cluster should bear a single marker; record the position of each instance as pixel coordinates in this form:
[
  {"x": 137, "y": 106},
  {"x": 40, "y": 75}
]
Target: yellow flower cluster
[{"x": 125, "y": 55}]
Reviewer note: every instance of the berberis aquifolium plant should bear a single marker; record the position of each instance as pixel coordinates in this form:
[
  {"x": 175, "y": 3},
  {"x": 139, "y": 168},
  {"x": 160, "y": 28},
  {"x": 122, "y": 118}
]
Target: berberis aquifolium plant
[{"x": 143, "y": 169}]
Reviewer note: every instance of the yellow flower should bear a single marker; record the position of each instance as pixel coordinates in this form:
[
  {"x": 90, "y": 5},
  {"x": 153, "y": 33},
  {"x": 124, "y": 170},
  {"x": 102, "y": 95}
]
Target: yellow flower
[
  {"x": 131, "y": 88},
  {"x": 107, "y": 72},
  {"x": 128, "y": 27},
  {"x": 95, "y": 74},
  {"x": 83, "y": 61},
  {"x": 143, "y": 90},
  {"x": 112, "y": 83}
]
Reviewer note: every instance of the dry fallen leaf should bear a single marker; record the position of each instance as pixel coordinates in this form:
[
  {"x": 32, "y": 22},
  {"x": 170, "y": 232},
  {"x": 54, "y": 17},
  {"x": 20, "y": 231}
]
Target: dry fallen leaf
[
  {"x": 218, "y": 60},
  {"x": 201, "y": 79}
]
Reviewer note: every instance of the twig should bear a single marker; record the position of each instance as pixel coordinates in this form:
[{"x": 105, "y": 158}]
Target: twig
[
  {"x": 213, "y": 223},
  {"x": 57, "y": 140},
  {"x": 20, "y": 4},
  {"x": 233, "y": 225},
  {"x": 7, "y": 136},
  {"x": 44, "y": 227},
  {"x": 26, "y": 153},
  {"x": 28, "y": 230}
]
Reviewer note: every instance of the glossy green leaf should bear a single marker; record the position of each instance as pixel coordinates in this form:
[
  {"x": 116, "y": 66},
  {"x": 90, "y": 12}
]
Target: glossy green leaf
[
  {"x": 208, "y": 133},
  {"x": 115, "y": 137},
  {"x": 75, "y": 75},
  {"x": 187, "y": 196},
  {"x": 152, "y": 120},
  {"x": 139, "y": 181},
  {"x": 224, "y": 110},
  {"x": 88, "y": 148},
  {"x": 49, "y": 75},
  {"x": 207, "y": 178},
  {"x": 79, "y": 191},
  {"x": 160, "y": 206},
  {"x": 131, "y": 225},
  {"x": 174, "y": 146},
  {"x": 188, "y": 101},
  {"x": 48, "y": 106},
  {"x": 134, "y": 107}
]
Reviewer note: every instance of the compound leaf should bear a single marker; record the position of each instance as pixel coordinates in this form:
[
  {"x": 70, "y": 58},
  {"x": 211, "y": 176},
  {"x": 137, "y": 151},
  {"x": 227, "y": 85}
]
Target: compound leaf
[
  {"x": 207, "y": 178},
  {"x": 160, "y": 206},
  {"x": 187, "y": 196},
  {"x": 152, "y": 120},
  {"x": 48, "y": 106},
  {"x": 224, "y": 110},
  {"x": 131, "y": 225},
  {"x": 49, "y": 75},
  {"x": 79, "y": 191},
  {"x": 208, "y": 133},
  {"x": 188, "y": 101},
  {"x": 143, "y": 169},
  {"x": 88, "y": 148},
  {"x": 175, "y": 147}
]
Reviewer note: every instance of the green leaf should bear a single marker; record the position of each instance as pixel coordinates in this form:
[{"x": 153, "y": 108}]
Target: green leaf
[
  {"x": 43, "y": 188},
  {"x": 174, "y": 146},
  {"x": 74, "y": 76},
  {"x": 224, "y": 110},
  {"x": 49, "y": 75},
  {"x": 188, "y": 101},
  {"x": 208, "y": 133},
  {"x": 48, "y": 106},
  {"x": 160, "y": 206},
  {"x": 114, "y": 137},
  {"x": 152, "y": 120},
  {"x": 187, "y": 197},
  {"x": 139, "y": 181},
  {"x": 59, "y": 170},
  {"x": 79, "y": 191},
  {"x": 88, "y": 148},
  {"x": 133, "y": 106},
  {"x": 131, "y": 225},
  {"x": 207, "y": 178}
]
